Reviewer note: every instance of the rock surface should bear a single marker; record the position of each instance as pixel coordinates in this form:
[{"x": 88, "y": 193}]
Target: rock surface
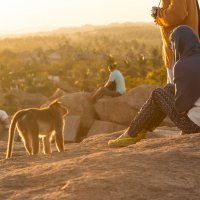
[
  {"x": 104, "y": 127},
  {"x": 32, "y": 100},
  {"x": 3, "y": 133},
  {"x": 72, "y": 127},
  {"x": 24, "y": 100},
  {"x": 78, "y": 104},
  {"x": 122, "y": 109},
  {"x": 160, "y": 168},
  {"x": 119, "y": 110}
]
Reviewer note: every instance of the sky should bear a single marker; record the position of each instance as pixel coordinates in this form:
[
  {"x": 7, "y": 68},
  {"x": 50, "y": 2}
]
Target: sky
[
  {"x": 20, "y": 16},
  {"x": 36, "y": 15}
]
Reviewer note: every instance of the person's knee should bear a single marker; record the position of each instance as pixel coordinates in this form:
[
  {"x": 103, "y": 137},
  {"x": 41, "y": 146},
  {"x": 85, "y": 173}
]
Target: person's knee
[
  {"x": 170, "y": 88},
  {"x": 157, "y": 92}
]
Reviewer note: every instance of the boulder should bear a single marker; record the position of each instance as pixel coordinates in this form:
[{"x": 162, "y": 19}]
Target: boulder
[
  {"x": 21, "y": 99},
  {"x": 2, "y": 98},
  {"x": 122, "y": 109},
  {"x": 32, "y": 100},
  {"x": 104, "y": 127},
  {"x": 79, "y": 104},
  {"x": 12, "y": 99},
  {"x": 72, "y": 127},
  {"x": 3, "y": 133},
  {"x": 164, "y": 132},
  {"x": 57, "y": 94}
]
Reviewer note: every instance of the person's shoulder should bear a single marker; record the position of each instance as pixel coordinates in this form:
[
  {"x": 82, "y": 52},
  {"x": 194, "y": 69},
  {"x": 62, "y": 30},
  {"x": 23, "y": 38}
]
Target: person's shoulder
[
  {"x": 120, "y": 73},
  {"x": 115, "y": 71}
]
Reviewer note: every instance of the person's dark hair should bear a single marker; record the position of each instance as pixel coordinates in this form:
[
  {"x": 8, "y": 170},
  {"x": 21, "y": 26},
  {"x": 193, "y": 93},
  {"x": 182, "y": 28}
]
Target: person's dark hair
[{"x": 112, "y": 66}]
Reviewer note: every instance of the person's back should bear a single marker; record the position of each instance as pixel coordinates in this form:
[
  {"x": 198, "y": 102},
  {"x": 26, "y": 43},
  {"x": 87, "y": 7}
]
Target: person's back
[{"x": 117, "y": 76}]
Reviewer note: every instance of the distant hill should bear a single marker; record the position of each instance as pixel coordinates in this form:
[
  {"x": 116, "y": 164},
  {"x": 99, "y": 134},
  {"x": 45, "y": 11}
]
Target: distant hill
[{"x": 146, "y": 33}]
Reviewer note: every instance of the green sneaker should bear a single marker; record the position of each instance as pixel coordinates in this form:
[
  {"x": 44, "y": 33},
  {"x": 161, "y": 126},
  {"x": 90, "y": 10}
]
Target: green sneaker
[{"x": 123, "y": 142}]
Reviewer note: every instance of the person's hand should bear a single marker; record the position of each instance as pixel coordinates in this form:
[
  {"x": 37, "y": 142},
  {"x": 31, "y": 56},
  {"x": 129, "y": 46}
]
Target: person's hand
[
  {"x": 155, "y": 21},
  {"x": 154, "y": 12}
]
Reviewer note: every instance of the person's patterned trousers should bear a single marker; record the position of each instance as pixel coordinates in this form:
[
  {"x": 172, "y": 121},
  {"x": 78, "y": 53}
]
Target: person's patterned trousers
[{"x": 160, "y": 104}]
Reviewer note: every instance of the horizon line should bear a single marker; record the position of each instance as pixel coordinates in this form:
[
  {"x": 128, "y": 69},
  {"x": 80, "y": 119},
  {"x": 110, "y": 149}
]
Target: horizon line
[{"x": 30, "y": 31}]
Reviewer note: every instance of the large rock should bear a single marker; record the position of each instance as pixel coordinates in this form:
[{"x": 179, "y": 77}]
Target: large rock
[
  {"x": 72, "y": 127},
  {"x": 79, "y": 104},
  {"x": 104, "y": 127},
  {"x": 122, "y": 109},
  {"x": 164, "y": 132},
  {"x": 12, "y": 99},
  {"x": 20, "y": 99},
  {"x": 2, "y": 98},
  {"x": 32, "y": 100},
  {"x": 3, "y": 133}
]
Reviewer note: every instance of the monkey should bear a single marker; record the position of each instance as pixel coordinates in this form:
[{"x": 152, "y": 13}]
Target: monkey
[{"x": 35, "y": 123}]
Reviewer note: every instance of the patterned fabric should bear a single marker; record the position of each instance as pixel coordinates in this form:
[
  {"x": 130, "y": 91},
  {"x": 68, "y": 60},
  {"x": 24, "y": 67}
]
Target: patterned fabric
[{"x": 160, "y": 104}]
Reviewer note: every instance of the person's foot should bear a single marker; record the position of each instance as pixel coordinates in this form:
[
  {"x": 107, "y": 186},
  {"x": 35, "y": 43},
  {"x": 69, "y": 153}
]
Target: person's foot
[
  {"x": 124, "y": 135},
  {"x": 125, "y": 140}
]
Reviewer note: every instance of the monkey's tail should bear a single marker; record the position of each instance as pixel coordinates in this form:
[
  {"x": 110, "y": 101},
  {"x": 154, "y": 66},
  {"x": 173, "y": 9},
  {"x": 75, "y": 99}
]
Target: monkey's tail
[{"x": 12, "y": 128}]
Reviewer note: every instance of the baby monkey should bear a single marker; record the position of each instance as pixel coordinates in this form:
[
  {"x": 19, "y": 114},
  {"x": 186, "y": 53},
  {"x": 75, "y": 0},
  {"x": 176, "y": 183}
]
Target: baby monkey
[{"x": 35, "y": 123}]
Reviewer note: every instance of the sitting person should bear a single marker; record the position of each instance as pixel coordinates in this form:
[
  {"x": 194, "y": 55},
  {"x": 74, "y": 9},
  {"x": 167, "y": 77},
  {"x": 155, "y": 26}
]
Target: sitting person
[
  {"x": 179, "y": 101},
  {"x": 114, "y": 87}
]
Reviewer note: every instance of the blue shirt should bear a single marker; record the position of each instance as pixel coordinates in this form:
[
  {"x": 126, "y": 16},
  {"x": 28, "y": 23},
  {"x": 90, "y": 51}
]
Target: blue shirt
[{"x": 117, "y": 77}]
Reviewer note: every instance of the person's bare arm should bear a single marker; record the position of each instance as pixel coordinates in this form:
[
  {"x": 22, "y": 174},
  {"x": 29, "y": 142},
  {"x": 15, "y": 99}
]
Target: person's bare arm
[{"x": 108, "y": 83}]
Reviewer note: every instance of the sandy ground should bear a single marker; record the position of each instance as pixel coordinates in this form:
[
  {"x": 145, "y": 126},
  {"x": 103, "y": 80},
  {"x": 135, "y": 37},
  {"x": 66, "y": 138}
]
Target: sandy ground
[{"x": 154, "y": 169}]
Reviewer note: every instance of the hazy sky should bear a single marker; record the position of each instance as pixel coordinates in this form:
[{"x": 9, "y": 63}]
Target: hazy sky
[{"x": 35, "y": 15}]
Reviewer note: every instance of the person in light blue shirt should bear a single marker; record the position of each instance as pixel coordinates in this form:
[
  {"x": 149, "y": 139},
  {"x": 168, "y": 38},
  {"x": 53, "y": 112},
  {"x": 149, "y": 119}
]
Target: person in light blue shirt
[{"x": 115, "y": 86}]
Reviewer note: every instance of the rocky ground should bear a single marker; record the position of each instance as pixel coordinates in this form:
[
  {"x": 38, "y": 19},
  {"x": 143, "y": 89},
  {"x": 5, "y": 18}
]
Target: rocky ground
[{"x": 166, "y": 168}]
